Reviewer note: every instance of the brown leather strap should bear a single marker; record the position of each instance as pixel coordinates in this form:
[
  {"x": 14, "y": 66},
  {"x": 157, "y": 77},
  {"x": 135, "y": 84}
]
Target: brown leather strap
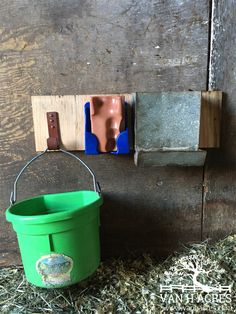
[{"x": 53, "y": 142}]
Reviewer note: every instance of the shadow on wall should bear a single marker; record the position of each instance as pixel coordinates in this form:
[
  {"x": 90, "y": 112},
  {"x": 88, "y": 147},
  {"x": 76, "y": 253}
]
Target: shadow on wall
[
  {"x": 131, "y": 227},
  {"x": 219, "y": 213},
  {"x": 225, "y": 156}
]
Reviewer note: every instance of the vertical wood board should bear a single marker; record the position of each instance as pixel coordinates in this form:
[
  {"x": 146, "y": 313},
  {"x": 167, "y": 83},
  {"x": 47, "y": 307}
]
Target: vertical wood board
[
  {"x": 219, "y": 215},
  {"x": 210, "y": 121}
]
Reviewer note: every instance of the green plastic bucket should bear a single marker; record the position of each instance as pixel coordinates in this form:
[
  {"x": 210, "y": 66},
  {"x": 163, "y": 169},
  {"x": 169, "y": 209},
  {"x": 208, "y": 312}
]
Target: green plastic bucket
[{"x": 58, "y": 234}]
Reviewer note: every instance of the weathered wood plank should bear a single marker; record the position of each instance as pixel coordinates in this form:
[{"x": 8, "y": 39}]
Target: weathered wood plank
[
  {"x": 210, "y": 121},
  {"x": 83, "y": 47},
  {"x": 219, "y": 191}
]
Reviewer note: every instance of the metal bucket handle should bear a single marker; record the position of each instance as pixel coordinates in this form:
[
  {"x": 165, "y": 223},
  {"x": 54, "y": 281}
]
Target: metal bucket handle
[{"x": 13, "y": 196}]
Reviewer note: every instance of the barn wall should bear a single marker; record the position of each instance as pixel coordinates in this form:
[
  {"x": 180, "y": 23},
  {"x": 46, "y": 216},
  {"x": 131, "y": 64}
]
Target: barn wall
[
  {"x": 82, "y": 47},
  {"x": 219, "y": 214}
]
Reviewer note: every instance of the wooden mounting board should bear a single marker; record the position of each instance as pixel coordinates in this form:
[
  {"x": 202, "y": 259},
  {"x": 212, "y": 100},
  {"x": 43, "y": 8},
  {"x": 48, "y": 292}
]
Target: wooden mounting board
[
  {"x": 210, "y": 122},
  {"x": 71, "y": 118}
]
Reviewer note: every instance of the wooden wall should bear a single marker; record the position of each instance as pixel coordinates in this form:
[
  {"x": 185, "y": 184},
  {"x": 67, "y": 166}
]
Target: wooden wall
[
  {"x": 82, "y": 47},
  {"x": 219, "y": 212}
]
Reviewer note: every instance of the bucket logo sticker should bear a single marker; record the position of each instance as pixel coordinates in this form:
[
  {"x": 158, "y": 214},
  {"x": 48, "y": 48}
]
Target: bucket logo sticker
[{"x": 55, "y": 269}]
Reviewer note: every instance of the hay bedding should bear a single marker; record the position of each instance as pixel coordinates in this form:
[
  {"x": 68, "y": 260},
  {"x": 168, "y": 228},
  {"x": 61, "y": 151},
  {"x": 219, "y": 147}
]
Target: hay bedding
[{"x": 131, "y": 286}]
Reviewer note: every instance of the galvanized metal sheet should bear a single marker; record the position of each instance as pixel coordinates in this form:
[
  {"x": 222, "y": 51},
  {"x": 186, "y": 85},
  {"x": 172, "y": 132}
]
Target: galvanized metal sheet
[
  {"x": 184, "y": 158},
  {"x": 168, "y": 122}
]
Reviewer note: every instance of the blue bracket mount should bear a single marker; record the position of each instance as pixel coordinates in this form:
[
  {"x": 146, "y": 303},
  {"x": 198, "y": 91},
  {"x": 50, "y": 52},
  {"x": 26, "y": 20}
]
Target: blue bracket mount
[{"x": 91, "y": 141}]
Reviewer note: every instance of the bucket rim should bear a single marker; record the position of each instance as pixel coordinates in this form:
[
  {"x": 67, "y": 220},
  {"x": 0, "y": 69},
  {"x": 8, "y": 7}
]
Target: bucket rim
[{"x": 52, "y": 217}]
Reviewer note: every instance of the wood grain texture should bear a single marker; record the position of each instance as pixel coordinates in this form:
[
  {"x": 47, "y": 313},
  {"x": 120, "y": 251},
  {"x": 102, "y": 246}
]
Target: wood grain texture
[
  {"x": 73, "y": 47},
  {"x": 220, "y": 185},
  {"x": 71, "y": 115},
  {"x": 210, "y": 121},
  {"x": 71, "y": 119}
]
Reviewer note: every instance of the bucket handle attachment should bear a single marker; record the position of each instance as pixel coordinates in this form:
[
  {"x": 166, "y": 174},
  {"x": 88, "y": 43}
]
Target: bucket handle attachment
[{"x": 13, "y": 196}]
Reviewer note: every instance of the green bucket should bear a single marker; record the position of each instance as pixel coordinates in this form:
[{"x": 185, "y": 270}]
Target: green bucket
[{"x": 58, "y": 234}]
